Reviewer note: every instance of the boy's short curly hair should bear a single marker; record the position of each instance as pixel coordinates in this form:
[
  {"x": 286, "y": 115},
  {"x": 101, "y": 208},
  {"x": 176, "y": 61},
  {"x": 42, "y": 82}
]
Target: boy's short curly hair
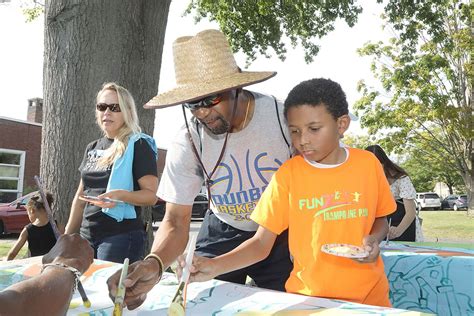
[{"x": 317, "y": 92}]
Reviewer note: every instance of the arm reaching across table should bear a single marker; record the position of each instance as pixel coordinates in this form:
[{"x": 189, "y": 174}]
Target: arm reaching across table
[{"x": 51, "y": 291}]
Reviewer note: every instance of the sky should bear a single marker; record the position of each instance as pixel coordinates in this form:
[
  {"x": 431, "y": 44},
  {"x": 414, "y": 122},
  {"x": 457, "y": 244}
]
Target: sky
[{"x": 21, "y": 63}]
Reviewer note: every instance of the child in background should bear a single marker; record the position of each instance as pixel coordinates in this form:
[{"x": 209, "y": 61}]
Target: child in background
[
  {"x": 326, "y": 194},
  {"x": 38, "y": 233}
]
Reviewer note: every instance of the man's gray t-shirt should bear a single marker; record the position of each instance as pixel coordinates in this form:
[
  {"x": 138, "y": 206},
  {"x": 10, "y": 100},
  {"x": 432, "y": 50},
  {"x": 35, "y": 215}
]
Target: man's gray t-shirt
[{"x": 251, "y": 157}]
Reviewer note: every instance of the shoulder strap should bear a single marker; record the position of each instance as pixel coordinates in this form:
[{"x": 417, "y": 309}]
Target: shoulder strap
[
  {"x": 281, "y": 127},
  {"x": 199, "y": 136}
]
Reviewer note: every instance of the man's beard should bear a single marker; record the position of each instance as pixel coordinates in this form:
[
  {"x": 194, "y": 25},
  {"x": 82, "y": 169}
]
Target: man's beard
[{"x": 219, "y": 129}]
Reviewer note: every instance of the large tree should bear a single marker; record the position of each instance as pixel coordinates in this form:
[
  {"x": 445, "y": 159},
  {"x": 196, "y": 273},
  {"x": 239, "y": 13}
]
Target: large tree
[
  {"x": 426, "y": 171},
  {"x": 88, "y": 43},
  {"x": 425, "y": 100},
  {"x": 427, "y": 166}
]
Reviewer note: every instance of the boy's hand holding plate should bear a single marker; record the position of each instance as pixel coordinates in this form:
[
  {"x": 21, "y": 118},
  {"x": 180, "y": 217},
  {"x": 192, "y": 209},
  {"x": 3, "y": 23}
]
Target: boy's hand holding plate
[
  {"x": 369, "y": 252},
  {"x": 371, "y": 245}
]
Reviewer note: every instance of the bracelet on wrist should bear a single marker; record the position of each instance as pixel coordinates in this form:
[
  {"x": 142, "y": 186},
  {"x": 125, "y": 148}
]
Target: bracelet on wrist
[
  {"x": 76, "y": 273},
  {"x": 160, "y": 264}
]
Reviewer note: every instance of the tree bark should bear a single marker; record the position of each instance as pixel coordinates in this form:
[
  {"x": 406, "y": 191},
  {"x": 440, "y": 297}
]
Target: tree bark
[
  {"x": 88, "y": 43},
  {"x": 469, "y": 180}
]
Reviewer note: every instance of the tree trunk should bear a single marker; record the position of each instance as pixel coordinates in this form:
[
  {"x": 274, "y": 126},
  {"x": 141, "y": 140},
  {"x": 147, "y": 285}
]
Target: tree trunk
[
  {"x": 88, "y": 43},
  {"x": 469, "y": 181}
]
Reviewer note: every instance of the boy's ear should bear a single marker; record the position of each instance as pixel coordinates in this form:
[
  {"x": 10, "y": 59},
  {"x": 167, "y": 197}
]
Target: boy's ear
[{"x": 343, "y": 123}]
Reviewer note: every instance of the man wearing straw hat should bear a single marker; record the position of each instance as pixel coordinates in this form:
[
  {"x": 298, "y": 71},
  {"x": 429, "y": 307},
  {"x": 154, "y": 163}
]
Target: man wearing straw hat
[{"x": 233, "y": 143}]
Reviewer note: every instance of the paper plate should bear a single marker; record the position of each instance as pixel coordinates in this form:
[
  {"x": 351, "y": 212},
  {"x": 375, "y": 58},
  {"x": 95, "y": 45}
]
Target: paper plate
[{"x": 345, "y": 250}]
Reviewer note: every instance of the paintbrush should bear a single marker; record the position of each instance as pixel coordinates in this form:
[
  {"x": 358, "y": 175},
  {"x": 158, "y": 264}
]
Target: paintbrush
[
  {"x": 80, "y": 288},
  {"x": 119, "y": 297},
  {"x": 178, "y": 304},
  {"x": 389, "y": 224}
]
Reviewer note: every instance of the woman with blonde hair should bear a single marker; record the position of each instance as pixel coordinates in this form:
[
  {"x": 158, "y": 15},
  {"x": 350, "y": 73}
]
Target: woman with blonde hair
[{"x": 118, "y": 176}]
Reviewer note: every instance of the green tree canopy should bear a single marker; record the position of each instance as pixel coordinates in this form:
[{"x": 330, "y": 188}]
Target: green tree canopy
[
  {"x": 256, "y": 26},
  {"x": 358, "y": 141},
  {"x": 425, "y": 71},
  {"x": 426, "y": 167}
]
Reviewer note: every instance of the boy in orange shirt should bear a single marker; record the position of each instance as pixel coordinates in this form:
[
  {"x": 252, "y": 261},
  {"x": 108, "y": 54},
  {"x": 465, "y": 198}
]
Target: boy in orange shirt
[{"x": 326, "y": 194}]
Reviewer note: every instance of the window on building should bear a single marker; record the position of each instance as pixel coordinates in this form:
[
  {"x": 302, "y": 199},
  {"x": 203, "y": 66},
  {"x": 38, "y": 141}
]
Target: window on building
[{"x": 12, "y": 166}]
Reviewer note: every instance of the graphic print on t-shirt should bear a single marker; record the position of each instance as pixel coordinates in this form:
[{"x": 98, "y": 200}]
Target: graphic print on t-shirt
[
  {"x": 242, "y": 186},
  {"x": 335, "y": 206},
  {"x": 91, "y": 163}
]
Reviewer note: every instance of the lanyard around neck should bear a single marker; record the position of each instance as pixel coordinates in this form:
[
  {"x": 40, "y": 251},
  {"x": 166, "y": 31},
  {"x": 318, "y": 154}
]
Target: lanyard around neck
[{"x": 208, "y": 176}]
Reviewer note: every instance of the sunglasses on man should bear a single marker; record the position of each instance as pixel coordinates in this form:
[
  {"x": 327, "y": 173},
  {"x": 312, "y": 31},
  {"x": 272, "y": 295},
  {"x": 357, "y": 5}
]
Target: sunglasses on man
[
  {"x": 206, "y": 102},
  {"x": 102, "y": 107}
]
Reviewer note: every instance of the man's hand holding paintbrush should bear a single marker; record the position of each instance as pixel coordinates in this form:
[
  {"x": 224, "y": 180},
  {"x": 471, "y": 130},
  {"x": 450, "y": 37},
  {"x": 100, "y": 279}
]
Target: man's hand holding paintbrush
[
  {"x": 119, "y": 297},
  {"x": 142, "y": 277}
]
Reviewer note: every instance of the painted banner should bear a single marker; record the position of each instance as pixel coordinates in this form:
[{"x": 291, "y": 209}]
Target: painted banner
[
  {"x": 207, "y": 298},
  {"x": 431, "y": 279}
]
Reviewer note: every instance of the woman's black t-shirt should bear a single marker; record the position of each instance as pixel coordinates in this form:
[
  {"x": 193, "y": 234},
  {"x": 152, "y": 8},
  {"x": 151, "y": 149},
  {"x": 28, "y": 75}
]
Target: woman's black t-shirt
[{"x": 95, "y": 224}]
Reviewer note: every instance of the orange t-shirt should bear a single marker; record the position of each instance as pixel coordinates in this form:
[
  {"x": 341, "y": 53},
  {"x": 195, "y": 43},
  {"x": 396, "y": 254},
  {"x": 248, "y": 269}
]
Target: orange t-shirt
[{"x": 322, "y": 206}]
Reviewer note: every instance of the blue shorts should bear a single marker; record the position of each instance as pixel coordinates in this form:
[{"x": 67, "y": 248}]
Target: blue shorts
[{"x": 116, "y": 248}]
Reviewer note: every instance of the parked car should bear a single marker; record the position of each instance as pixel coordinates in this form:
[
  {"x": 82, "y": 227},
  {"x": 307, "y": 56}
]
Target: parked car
[
  {"x": 428, "y": 200},
  {"x": 198, "y": 211},
  {"x": 13, "y": 216},
  {"x": 455, "y": 202}
]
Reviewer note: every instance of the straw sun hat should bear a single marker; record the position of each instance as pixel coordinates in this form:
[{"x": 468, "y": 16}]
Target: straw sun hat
[{"x": 204, "y": 65}]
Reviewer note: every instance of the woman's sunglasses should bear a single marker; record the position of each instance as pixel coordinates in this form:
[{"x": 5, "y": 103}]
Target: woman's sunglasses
[
  {"x": 207, "y": 102},
  {"x": 102, "y": 107}
]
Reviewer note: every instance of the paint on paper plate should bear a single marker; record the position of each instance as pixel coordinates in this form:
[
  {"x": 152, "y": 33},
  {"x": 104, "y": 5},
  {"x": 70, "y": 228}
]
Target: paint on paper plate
[{"x": 345, "y": 250}]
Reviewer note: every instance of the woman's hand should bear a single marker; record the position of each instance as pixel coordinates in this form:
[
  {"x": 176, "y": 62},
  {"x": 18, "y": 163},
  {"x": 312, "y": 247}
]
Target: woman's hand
[
  {"x": 119, "y": 195},
  {"x": 106, "y": 200},
  {"x": 102, "y": 203},
  {"x": 394, "y": 232}
]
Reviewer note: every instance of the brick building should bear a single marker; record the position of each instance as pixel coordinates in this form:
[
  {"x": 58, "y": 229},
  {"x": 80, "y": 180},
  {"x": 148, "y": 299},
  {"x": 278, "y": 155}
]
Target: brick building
[{"x": 20, "y": 152}]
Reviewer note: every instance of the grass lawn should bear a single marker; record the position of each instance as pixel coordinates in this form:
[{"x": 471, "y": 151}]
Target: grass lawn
[
  {"x": 448, "y": 226},
  {"x": 5, "y": 246}
]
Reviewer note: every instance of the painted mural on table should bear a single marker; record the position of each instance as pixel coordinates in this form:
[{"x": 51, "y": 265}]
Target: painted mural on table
[
  {"x": 208, "y": 298},
  {"x": 431, "y": 280}
]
